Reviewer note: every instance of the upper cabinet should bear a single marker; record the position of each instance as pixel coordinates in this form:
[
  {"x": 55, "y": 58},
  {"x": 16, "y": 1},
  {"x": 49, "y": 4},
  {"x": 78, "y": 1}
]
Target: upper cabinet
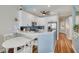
[{"x": 26, "y": 19}]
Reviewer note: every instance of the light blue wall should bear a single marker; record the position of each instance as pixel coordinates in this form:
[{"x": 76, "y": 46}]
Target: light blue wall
[{"x": 46, "y": 42}]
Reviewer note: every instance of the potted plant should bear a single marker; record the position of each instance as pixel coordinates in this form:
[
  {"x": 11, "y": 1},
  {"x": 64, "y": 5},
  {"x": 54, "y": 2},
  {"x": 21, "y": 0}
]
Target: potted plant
[{"x": 76, "y": 27}]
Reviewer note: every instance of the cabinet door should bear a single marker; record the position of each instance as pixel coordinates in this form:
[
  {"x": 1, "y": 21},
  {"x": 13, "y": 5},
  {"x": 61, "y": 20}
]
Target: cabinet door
[{"x": 26, "y": 19}]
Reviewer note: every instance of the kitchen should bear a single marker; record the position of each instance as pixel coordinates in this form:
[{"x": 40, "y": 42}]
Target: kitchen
[{"x": 30, "y": 27}]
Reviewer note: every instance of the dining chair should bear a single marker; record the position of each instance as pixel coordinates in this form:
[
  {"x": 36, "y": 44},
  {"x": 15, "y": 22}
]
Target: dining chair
[
  {"x": 46, "y": 42},
  {"x": 26, "y": 49}
]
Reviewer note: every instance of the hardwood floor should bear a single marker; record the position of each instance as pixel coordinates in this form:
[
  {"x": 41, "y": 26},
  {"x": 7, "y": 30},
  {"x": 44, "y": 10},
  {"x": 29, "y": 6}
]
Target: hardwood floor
[
  {"x": 63, "y": 44},
  {"x": 34, "y": 49}
]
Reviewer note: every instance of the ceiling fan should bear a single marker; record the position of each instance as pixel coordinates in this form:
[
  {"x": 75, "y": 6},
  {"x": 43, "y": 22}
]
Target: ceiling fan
[{"x": 45, "y": 12}]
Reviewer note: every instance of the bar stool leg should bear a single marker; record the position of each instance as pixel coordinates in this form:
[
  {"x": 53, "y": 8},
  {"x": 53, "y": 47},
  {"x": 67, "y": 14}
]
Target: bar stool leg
[
  {"x": 15, "y": 50},
  {"x": 7, "y": 50}
]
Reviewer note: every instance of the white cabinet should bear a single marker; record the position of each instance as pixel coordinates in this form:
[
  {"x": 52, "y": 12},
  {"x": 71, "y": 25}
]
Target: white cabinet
[
  {"x": 25, "y": 18},
  {"x": 28, "y": 18}
]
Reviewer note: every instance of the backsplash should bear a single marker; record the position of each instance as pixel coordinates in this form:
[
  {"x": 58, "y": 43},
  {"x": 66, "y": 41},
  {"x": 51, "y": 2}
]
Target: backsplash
[{"x": 32, "y": 28}]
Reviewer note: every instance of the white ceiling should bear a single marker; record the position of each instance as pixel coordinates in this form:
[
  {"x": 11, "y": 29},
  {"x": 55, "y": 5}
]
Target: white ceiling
[{"x": 62, "y": 10}]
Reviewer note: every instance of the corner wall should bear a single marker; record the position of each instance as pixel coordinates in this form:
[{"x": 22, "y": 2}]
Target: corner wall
[{"x": 7, "y": 16}]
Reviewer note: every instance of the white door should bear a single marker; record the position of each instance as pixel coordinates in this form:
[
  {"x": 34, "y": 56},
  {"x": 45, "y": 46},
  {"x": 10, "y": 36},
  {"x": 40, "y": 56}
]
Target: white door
[{"x": 69, "y": 28}]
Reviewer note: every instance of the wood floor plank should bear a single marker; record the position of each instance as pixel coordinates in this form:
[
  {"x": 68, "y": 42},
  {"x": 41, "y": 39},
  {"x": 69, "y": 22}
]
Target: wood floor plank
[{"x": 63, "y": 44}]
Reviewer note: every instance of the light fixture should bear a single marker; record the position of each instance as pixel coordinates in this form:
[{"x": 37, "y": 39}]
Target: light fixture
[
  {"x": 20, "y": 9},
  {"x": 45, "y": 12},
  {"x": 16, "y": 19}
]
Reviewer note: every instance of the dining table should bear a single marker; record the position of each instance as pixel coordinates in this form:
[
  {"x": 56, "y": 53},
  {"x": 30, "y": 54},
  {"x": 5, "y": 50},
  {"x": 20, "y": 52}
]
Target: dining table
[
  {"x": 14, "y": 43},
  {"x": 20, "y": 41}
]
